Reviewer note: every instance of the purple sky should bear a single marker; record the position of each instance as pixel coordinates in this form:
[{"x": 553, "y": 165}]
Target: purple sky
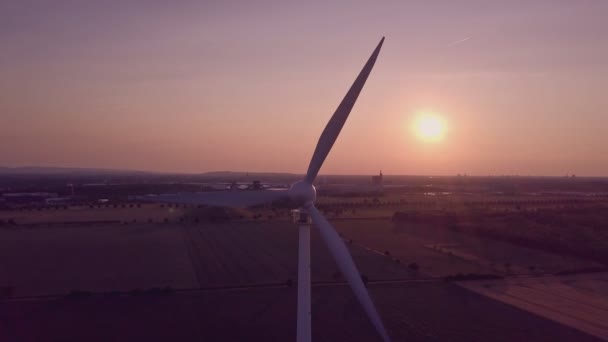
[{"x": 199, "y": 86}]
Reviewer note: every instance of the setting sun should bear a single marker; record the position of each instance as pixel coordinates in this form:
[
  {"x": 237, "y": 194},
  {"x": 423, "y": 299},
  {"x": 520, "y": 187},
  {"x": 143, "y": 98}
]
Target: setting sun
[{"x": 429, "y": 127}]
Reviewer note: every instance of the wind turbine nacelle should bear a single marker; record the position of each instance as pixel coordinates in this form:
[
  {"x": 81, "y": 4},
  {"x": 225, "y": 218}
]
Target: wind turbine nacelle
[{"x": 303, "y": 193}]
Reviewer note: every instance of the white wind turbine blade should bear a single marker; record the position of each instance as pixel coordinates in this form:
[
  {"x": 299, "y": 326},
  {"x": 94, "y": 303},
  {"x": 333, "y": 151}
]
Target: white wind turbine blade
[
  {"x": 335, "y": 124},
  {"x": 234, "y": 199},
  {"x": 338, "y": 250}
]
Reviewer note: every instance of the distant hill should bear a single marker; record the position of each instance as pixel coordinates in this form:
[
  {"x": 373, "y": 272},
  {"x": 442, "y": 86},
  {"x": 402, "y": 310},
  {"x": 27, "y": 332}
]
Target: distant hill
[
  {"x": 43, "y": 170},
  {"x": 243, "y": 174}
]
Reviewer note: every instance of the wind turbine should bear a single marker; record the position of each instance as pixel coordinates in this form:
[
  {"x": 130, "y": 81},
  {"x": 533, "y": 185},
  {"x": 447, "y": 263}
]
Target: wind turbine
[{"x": 303, "y": 194}]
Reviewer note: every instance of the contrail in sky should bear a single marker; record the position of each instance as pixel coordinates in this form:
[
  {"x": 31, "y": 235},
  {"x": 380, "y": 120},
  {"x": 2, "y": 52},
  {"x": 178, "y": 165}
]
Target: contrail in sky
[{"x": 458, "y": 42}]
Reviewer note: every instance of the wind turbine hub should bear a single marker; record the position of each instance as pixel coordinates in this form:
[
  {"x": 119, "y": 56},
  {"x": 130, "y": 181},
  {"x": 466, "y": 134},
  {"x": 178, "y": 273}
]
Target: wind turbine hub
[{"x": 303, "y": 193}]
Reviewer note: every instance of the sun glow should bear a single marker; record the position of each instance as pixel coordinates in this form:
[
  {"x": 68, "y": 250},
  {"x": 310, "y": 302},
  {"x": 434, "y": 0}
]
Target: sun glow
[{"x": 429, "y": 127}]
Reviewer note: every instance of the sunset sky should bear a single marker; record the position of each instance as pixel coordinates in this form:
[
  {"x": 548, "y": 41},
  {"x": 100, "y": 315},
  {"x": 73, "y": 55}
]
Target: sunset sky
[{"x": 195, "y": 86}]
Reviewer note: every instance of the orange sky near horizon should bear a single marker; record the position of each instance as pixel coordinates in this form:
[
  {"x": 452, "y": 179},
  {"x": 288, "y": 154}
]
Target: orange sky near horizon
[{"x": 201, "y": 87}]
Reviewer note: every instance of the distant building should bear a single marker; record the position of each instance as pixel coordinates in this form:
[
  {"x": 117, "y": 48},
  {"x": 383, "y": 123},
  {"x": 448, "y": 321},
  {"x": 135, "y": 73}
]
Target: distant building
[
  {"x": 256, "y": 185},
  {"x": 58, "y": 200},
  {"x": 233, "y": 186},
  {"x": 27, "y": 197}
]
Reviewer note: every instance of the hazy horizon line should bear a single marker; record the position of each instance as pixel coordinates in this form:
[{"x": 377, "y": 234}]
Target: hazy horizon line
[{"x": 127, "y": 170}]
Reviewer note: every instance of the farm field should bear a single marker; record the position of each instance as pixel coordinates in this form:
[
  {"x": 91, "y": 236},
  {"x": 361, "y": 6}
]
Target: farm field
[
  {"x": 94, "y": 213},
  {"x": 441, "y": 252},
  {"x": 579, "y": 301},
  {"x": 427, "y": 311},
  {"x": 243, "y": 269},
  {"x": 261, "y": 252},
  {"x": 57, "y": 259}
]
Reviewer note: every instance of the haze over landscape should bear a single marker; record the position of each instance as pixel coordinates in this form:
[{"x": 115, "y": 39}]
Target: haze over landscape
[
  {"x": 167, "y": 173},
  {"x": 201, "y": 86}
]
